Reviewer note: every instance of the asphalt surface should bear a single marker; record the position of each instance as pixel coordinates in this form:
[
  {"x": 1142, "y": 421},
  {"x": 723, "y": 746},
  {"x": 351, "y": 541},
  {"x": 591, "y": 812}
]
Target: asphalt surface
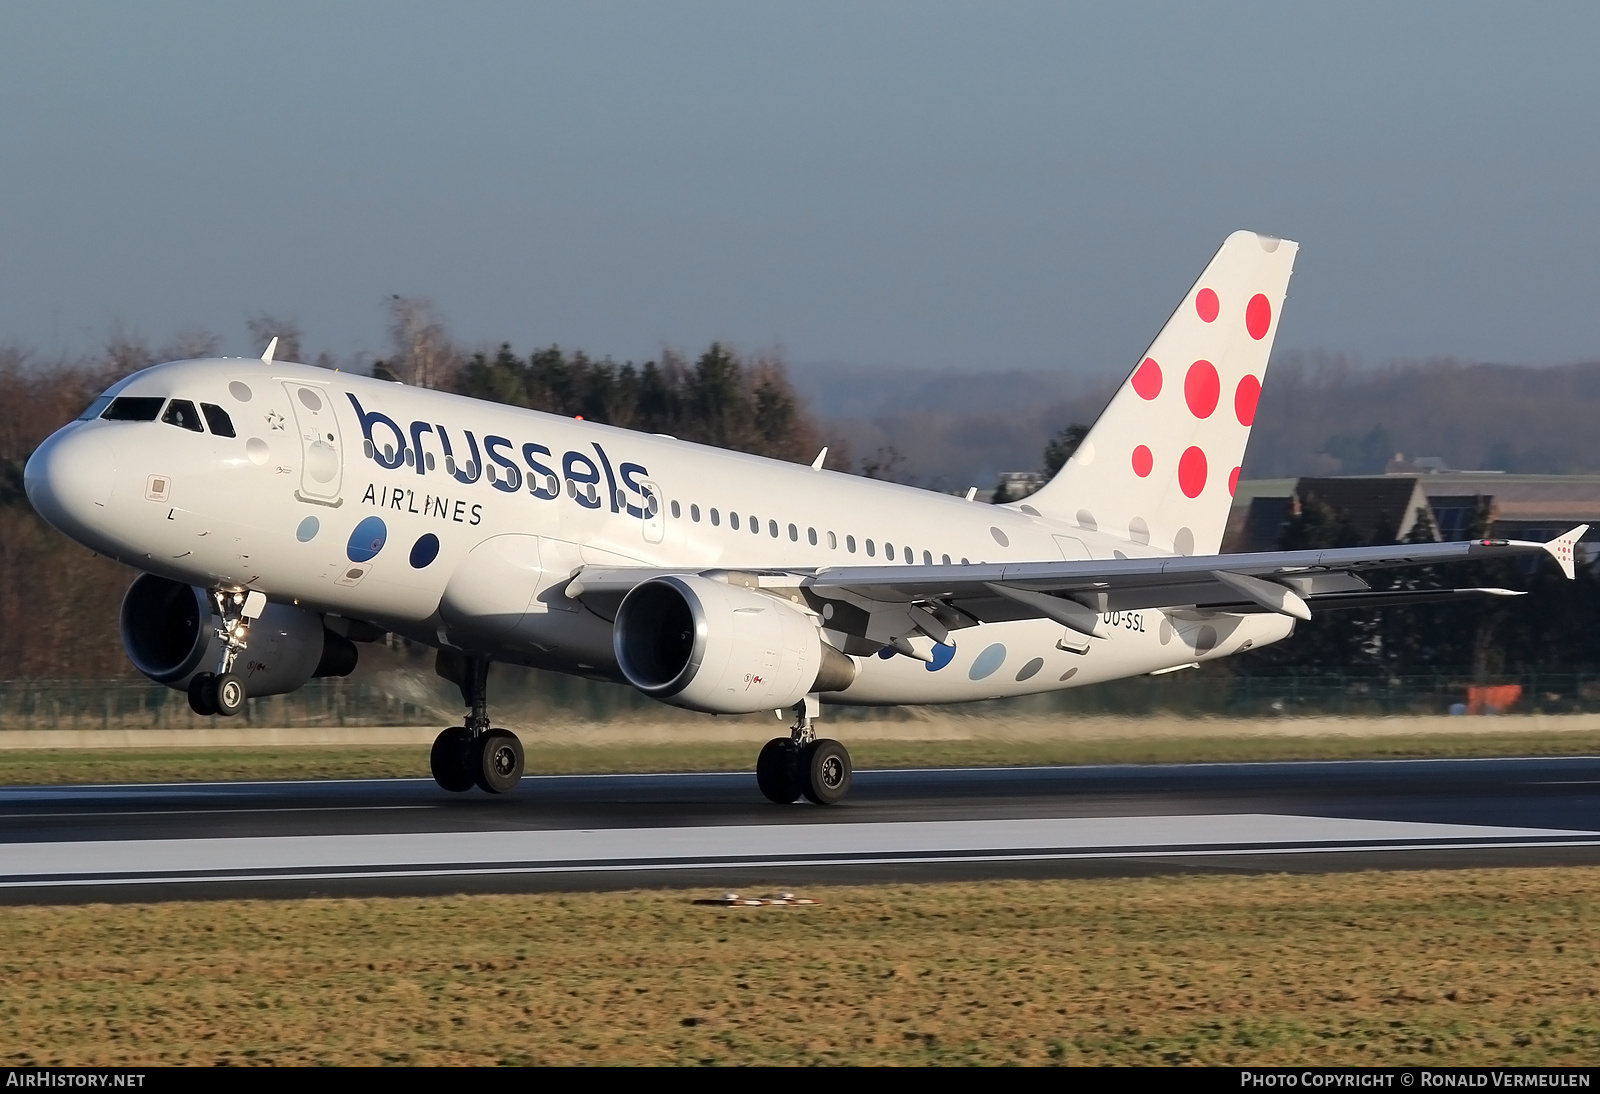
[{"x": 290, "y": 839}]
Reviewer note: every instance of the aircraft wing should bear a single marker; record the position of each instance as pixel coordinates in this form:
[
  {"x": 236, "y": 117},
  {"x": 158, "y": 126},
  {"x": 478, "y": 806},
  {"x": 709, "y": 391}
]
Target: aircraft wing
[{"x": 884, "y": 604}]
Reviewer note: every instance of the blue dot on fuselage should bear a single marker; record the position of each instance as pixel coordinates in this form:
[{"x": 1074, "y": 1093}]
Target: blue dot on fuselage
[
  {"x": 887, "y": 652},
  {"x": 942, "y": 656},
  {"x": 367, "y": 540},
  {"x": 987, "y": 662},
  {"x": 424, "y": 551},
  {"x": 307, "y": 530}
]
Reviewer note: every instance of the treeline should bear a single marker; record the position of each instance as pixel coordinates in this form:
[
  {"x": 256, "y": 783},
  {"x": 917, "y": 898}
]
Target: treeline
[
  {"x": 718, "y": 399},
  {"x": 1319, "y": 415},
  {"x": 58, "y": 602}
]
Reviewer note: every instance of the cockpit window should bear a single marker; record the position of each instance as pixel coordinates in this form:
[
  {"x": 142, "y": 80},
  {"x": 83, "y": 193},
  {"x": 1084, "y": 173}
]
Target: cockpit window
[
  {"x": 95, "y": 408},
  {"x": 133, "y": 408},
  {"x": 181, "y": 412},
  {"x": 218, "y": 420}
]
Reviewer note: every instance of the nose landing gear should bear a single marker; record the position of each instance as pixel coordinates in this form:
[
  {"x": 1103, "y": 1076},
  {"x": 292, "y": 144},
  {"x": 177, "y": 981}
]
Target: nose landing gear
[
  {"x": 223, "y": 692},
  {"x": 801, "y": 764},
  {"x": 474, "y": 754}
]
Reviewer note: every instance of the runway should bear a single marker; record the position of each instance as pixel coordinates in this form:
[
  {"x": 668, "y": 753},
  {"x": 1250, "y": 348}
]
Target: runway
[{"x": 96, "y": 843}]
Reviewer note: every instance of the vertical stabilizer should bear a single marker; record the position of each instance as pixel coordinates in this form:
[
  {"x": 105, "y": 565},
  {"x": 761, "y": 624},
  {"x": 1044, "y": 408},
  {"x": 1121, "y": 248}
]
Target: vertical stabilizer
[{"x": 1161, "y": 464}]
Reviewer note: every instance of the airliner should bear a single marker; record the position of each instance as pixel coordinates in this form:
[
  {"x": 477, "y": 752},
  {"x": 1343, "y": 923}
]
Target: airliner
[{"x": 282, "y": 514}]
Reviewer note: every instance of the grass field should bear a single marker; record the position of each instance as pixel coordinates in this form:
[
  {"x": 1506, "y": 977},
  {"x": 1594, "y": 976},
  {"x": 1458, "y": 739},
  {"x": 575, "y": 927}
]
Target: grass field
[
  {"x": 1461, "y": 967},
  {"x": 116, "y": 765}
]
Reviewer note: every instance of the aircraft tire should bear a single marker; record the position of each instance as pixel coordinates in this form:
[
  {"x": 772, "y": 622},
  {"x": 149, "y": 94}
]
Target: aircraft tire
[
  {"x": 497, "y": 761},
  {"x": 227, "y": 694},
  {"x": 449, "y": 759},
  {"x": 202, "y": 697},
  {"x": 775, "y": 771},
  {"x": 825, "y": 765}
]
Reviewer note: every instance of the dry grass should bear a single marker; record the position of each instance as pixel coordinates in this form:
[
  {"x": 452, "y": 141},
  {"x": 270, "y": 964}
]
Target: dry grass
[
  {"x": 1488, "y": 966},
  {"x": 20, "y": 767}
]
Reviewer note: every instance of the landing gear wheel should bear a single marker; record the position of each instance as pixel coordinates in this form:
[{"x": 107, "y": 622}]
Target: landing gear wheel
[
  {"x": 449, "y": 761},
  {"x": 498, "y": 765},
  {"x": 202, "y": 696},
  {"x": 227, "y": 694},
  {"x": 825, "y": 768},
  {"x": 775, "y": 771}
]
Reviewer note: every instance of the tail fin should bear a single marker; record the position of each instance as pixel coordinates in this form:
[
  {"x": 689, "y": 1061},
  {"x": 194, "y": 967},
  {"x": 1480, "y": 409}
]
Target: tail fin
[{"x": 1161, "y": 463}]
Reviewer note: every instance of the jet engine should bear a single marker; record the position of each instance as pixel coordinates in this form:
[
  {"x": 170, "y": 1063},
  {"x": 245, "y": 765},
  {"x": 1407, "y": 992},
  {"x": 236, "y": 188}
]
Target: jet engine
[
  {"x": 722, "y": 649},
  {"x": 169, "y": 630}
]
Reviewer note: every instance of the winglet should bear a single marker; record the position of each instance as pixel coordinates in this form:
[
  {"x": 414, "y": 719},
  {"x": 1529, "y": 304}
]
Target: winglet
[
  {"x": 1564, "y": 548},
  {"x": 816, "y": 464},
  {"x": 272, "y": 347}
]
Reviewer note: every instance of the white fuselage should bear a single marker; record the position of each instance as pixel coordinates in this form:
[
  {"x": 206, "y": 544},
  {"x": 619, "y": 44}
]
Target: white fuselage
[{"x": 515, "y": 501}]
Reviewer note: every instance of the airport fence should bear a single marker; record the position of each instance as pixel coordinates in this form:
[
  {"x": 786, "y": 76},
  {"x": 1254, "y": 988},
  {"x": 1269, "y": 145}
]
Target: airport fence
[{"x": 542, "y": 698}]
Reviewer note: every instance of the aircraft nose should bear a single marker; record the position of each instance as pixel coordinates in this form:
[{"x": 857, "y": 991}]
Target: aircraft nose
[{"x": 69, "y": 478}]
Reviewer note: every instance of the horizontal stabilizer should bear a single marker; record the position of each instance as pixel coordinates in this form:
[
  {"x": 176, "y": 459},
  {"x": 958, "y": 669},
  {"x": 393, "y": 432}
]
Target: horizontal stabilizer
[{"x": 1564, "y": 548}]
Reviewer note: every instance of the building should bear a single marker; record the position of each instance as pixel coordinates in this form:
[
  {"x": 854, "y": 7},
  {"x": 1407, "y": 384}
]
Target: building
[{"x": 1535, "y": 507}]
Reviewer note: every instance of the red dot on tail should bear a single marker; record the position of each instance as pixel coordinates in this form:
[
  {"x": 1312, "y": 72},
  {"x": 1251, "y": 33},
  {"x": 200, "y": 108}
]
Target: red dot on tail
[
  {"x": 1143, "y": 461},
  {"x": 1258, "y": 316},
  {"x": 1233, "y": 482},
  {"x": 1147, "y": 379},
  {"x": 1205, "y": 302},
  {"x": 1202, "y": 389},
  {"x": 1245, "y": 398},
  {"x": 1192, "y": 472}
]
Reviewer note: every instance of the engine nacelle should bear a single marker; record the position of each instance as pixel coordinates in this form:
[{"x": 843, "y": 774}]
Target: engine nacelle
[
  {"x": 722, "y": 649},
  {"x": 169, "y": 630}
]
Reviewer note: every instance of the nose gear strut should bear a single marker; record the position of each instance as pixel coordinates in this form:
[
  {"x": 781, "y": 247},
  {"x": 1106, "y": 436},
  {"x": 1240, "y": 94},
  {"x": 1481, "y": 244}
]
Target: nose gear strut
[{"x": 222, "y": 691}]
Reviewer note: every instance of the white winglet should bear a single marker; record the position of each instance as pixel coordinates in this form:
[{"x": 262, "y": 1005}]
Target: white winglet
[
  {"x": 816, "y": 464},
  {"x": 1564, "y": 550},
  {"x": 272, "y": 347}
]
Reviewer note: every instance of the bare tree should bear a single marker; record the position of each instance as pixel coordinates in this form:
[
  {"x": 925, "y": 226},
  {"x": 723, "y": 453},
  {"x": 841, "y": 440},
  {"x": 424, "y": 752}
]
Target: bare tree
[
  {"x": 191, "y": 343},
  {"x": 125, "y": 352},
  {"x": 264, "y": 327},
  {"x": 423, "y": 355}
]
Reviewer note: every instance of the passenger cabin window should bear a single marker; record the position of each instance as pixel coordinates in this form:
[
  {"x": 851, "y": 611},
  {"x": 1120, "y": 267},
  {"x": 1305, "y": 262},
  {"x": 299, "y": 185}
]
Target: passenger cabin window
[
  {"x": 850, "y": 544},
  {"x": 677, "y": 510},
  {"x": 181, "y": 413},
  {"x": 133, "y": 408},
  {"x": 755, "y": 526},
  {"x": 811, "y": 534},
  {"x": 222, "y": 425},
  {"x": 794, "y": 534},
  {"x": 833, "y": 542},
  {"x": 694, "y": 513},
  {"x": 716, "y": 518},
  {"x": 733, "y": 521},
  {"x": 871, "y": 550},
  {"x": 772, "y": 528},
  {"x": 910, "y": 556}
]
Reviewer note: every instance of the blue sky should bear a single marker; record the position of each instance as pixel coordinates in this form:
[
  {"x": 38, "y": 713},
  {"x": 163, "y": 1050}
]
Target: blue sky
[{"x": 967, "y": 186}]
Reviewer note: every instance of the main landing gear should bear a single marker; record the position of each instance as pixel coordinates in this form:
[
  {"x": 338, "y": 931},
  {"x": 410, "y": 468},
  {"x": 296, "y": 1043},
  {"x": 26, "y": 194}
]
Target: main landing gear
[
  {"x": 801, "y": 764},
  {"x": 474, "y": 754},
  {"x": 222, "y": 692}
]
